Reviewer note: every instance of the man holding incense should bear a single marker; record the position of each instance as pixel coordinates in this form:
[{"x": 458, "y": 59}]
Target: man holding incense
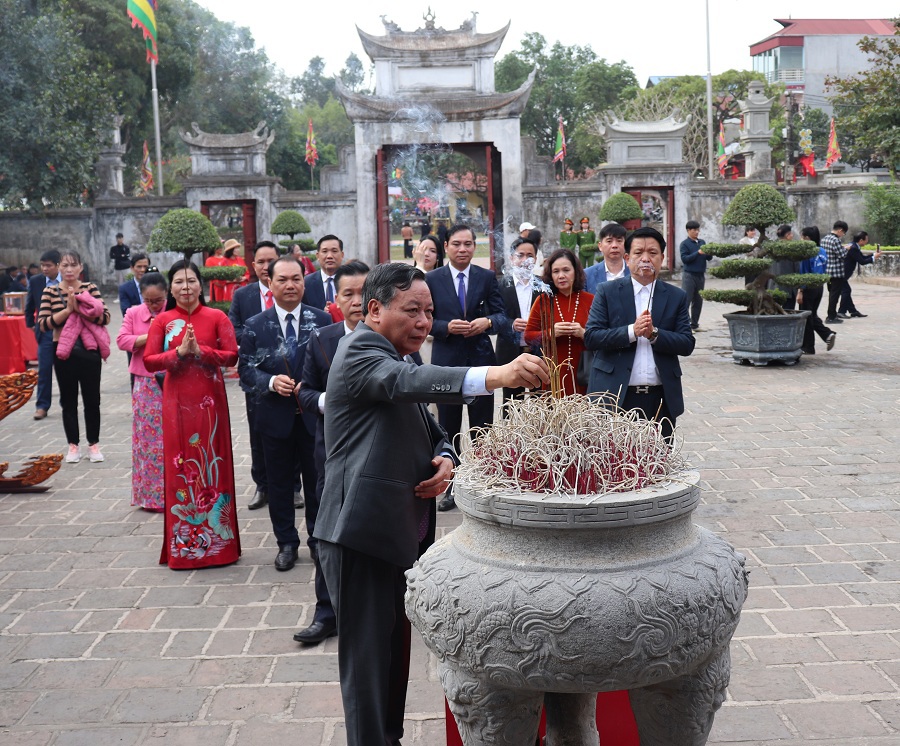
[{"x": 638, "y": 326}]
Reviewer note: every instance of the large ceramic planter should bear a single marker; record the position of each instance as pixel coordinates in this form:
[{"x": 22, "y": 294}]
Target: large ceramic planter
[
  {"x": 762, "y": 339},
  {"x": 538, "y": 594}
]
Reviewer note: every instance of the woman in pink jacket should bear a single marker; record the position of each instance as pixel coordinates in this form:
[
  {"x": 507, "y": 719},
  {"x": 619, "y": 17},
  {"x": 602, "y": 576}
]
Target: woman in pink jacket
[
  {"x": 147, "y": 465},
  {"x": 82, "y": 367}
]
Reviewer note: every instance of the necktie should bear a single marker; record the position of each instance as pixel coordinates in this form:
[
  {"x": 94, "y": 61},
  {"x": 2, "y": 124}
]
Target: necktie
[
  {"x": 290, "y": 339},
  {"x": 329, "y": 290},
  {"x": 269, "y": 301},
  {"x": 462, "y": 292}
]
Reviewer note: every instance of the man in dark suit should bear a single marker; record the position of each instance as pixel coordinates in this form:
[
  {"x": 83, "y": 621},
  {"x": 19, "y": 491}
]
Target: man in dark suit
[
  {"x": 248, "y": 301},
  {"x": 36, "y": 284},
  {"x": 467, "y": 308},
  {"x": 519, "y": 289},
  {"x": 613, "y": 266},
  {"x": 130, "y": 290},
  {"x": 320, "y": 351},
  {"x": 638, "y": 327},
  {"x": 320, "y": 285},
  {"x": 273, "y": 346},
  {"x": 377, "y": 513}
]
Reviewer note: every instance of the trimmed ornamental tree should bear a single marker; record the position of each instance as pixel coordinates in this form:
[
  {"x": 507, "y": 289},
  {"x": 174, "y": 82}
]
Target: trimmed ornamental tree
[
  {"x": 289, "y": 223},
  {"x": 189, "y": 232},
  {"x": 759, "y": 206},
  {"x": 620, "y": 208}
]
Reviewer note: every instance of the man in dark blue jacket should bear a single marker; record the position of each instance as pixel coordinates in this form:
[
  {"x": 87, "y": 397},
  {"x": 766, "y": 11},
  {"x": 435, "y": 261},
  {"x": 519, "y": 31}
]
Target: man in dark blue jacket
[
  {"x": 36, "y": 284},
  {"x": 693, "y": 270},
  {"x": 854, "y": 258}
]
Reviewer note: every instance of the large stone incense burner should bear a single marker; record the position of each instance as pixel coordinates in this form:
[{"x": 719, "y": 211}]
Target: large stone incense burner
[{"x": 548, "y": 597}]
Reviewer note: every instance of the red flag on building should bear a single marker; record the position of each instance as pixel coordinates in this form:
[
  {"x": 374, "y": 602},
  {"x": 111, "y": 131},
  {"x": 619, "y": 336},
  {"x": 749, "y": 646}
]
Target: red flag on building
[
  {"x": 146, "y": 171},
  {"x": 834, "y": 150},
  {"x": 312, "y": 155}
]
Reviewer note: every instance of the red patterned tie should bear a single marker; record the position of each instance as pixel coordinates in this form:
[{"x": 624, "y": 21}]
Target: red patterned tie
[{"x": 269, "y": 301}]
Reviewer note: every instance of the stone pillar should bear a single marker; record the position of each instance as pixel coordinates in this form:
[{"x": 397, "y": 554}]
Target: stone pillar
[
  {"x": 110, "y": 167},
  {"x": 756, "y": 133}
]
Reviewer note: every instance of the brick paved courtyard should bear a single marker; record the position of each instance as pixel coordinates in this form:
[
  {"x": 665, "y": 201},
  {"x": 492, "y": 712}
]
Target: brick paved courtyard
[{"x": 800, "y": 468}]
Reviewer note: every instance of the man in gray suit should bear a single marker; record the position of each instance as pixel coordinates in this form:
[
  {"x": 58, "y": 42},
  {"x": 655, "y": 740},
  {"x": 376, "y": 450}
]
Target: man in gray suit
[{"x": 377, "y": 513}]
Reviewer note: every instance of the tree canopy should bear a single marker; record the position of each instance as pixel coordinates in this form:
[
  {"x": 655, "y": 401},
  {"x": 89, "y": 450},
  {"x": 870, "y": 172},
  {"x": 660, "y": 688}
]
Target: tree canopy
[
  {"x": 572, "y": 82},
  {"x": 687, "y": 95},
  {"x": 866, "y": 104}
]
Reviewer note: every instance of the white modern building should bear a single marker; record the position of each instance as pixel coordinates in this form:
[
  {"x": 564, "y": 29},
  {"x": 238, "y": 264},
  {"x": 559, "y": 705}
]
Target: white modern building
[{"x": 805, "y": 52}]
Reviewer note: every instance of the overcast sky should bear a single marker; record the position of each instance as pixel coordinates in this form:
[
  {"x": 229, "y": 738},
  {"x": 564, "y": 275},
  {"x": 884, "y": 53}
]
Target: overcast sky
[{"x": 655, "y": 37}]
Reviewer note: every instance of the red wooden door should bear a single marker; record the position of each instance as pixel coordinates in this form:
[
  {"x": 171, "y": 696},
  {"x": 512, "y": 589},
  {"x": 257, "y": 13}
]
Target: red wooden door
[{"x": 382, "y": 210}]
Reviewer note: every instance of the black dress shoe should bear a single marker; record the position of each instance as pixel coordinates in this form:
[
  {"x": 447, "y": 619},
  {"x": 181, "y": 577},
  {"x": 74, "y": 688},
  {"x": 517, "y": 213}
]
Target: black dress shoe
[
  {"x": 858, "y": 315},
  {"x": 258, "y": 500},
  {"x": 315, "y": 633},
  {"x": 843, "y": 315},
  {"x": 833, "y": 320},
  {"x": 286, "y": 558},
  {"x": 447, "y": 503},
  {"x": 298, "y": 500}
]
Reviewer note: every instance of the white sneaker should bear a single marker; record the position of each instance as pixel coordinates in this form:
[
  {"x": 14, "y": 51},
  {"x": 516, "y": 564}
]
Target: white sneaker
[
  {"x": 74, "y": 454},
  {"x": 94, "y": 454}
]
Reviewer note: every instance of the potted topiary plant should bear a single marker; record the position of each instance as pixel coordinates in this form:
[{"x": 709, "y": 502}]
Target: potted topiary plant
[
  {"x": 765, "y": 331},
  {"x": 289, "y": 223},
  {"x": 189, "y": 232},
  {"x": 620, "y": 208}
]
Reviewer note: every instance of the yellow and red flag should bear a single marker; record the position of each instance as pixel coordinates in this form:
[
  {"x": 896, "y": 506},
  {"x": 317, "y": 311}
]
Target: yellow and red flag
[
  {"x": 833, "y": 155},
  {"x": 312, "y": 154},
  {"x": 143, "y": 13},
  {"x": 146, "y": 171},
  {"x": 560, "y": 151}
]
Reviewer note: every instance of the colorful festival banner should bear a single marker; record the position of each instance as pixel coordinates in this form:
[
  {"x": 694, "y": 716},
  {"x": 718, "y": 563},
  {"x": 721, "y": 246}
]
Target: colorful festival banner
[
  {"x": 143, "y": 13},
  {"x": 833, "y": 155},
  {"x": 560, "y": 151},
  {"x": 146, "y": 171},
  {"x": 312, "y": 154}
]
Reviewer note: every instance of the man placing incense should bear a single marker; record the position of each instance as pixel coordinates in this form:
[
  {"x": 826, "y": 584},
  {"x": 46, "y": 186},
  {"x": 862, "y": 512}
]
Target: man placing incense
[{"x": 638, "y": 327}]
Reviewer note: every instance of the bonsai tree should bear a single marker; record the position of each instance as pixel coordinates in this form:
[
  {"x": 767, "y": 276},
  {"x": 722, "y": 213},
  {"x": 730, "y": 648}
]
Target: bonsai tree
[
  {"x": 289, "y": 223},
  {"x": 184, "y": 231},
  {"x": 189, "y": 233},
  {"x": 620, "y": 208},
  {"x": 759, "y": 206}
]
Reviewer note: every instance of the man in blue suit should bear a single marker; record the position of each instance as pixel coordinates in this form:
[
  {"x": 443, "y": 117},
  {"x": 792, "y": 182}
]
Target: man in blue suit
[
  {"x": 320, "y": 288},
  {"x": 36, "y": 284},
  {"x": 130, "y": 290},
  {"x": 467, "y": 308},
  {"x": 273, "y": 346},
  {"x": 248, "y": 301},
  {"x": 613, "y": 266},
  {"x": 638, "y": 326}
]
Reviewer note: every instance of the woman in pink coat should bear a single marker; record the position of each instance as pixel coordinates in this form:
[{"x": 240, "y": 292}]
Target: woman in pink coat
[{"x": 147, "y": 465}]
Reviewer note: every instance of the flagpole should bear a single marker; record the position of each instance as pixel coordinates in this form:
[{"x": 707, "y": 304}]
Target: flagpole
[
  {"x": 709, "y": 110},
  {"x": 159, "y": 177}
]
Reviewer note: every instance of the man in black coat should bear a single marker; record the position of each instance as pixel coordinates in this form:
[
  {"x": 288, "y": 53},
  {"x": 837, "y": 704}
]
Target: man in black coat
[
  {"x": 320, "y": 351},
  {"x": 468, "y": 308},
  {"x": 854, "y": 258},
  {"x": 273, "y": 346},
  {"x": 36, "y": 285}
]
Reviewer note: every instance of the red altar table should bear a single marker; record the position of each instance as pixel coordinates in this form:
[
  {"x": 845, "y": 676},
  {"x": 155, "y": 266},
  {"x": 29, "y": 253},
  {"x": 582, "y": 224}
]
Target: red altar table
[
  {"x": 17, "y": 344},
  {"x": 615, "y": 722}
]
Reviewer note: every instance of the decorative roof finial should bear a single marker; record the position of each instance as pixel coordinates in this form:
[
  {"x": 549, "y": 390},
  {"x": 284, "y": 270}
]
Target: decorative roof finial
[{"x": 429, "y": 19}]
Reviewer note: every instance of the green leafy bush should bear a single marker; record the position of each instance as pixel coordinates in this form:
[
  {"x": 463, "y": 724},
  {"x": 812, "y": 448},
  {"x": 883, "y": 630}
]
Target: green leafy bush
[
  {"x": 723, "y": 250},
  {"x": 307, "y": 245},
  {"x": 621, "y": 207},
  {"x": 739, "y": 268},
  {"x": 882, "y": 203},
  {"x": 739, "y": 297},
  {"x": 184, "y": 231},
  {"x": 796, "y": 280},
  {"x": 795, "y": 251},
  {"x": 290, "y": 223},
  {"x": 759, "y": 206},
  {"x": 222, "y": 305},
  {"x": 231, "y": 273}
]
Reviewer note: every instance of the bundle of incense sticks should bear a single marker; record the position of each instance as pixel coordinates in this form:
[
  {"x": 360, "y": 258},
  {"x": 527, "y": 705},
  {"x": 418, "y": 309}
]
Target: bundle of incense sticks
[{"x": 548, "y": 344}]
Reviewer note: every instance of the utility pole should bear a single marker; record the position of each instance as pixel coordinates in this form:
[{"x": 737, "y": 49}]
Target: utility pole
[{"x": 710, "y": 149}]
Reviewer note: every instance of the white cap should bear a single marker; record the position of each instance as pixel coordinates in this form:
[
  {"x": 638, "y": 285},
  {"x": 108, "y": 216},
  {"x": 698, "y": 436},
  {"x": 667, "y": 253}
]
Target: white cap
[{"x": 526, "y": 227}]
